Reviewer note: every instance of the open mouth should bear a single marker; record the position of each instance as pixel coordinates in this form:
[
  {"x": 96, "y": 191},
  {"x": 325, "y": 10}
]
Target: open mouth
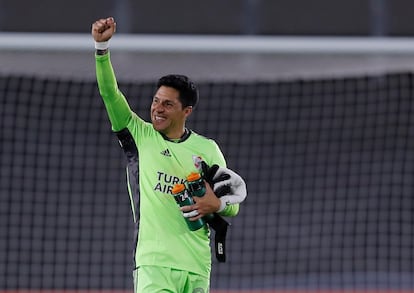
[{"x": 159, "y": 118}]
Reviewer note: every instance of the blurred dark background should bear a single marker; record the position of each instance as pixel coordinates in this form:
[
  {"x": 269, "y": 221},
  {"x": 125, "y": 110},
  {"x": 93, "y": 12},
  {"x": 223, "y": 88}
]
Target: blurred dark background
[{"x": 240, "y": 17}]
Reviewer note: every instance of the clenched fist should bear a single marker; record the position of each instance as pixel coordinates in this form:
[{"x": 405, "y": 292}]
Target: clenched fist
[{"x": 103, "y": 29}]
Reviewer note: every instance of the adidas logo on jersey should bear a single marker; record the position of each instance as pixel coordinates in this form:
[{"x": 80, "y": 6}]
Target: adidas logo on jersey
[{"x": 166, "y": 153}]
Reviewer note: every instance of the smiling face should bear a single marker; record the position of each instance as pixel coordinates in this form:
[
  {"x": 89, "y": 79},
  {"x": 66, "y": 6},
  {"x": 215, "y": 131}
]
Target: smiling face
[{"x": 167, "y": 113}]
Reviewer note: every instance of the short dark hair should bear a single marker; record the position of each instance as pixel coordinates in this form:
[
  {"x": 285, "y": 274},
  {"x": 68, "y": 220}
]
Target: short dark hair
[{"x": 188, "y": 92}]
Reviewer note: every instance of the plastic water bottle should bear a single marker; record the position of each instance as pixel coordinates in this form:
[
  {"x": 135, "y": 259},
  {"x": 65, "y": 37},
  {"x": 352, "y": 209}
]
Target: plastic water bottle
[
  {"x": 197, "y": 187},
  {"x": 196, "y": 184},
  {"x": 182, "y": 198}
]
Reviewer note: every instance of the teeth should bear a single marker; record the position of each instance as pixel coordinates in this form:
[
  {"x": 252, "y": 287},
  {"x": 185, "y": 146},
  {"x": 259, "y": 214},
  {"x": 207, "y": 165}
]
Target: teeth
[{"x": 159, "y": 118}]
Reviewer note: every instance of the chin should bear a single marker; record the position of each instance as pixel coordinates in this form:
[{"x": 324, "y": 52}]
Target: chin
[{"x": 158, "y": 128}]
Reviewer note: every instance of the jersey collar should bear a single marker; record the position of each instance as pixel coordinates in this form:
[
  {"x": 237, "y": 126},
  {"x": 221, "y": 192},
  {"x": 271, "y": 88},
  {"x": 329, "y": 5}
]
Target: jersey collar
[{"x": 187, "y": 133}]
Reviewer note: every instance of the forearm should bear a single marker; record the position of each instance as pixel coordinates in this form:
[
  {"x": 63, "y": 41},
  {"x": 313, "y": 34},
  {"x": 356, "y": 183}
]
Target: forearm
[{"x": 116, "y": 105}]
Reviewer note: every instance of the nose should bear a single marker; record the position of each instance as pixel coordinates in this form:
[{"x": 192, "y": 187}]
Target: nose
[{"x": 158, "y": 107}]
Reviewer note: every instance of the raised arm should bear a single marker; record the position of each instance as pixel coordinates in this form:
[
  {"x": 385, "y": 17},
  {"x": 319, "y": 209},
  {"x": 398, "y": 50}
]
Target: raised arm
[{"x": 116, "y": 104}]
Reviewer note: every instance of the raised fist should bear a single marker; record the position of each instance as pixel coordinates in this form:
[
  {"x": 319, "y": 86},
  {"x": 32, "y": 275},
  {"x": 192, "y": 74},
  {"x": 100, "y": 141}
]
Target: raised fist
[{"x": 103, "y": 29}]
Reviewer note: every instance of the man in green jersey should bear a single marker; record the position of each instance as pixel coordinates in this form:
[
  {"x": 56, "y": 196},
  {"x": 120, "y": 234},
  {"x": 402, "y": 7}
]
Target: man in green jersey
[{"x": 169, "y": 257}]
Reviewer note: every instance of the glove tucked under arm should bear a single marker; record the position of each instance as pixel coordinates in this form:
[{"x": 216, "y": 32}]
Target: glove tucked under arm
[
  {"x": 234, "y": 187},
  {"x": 226, "y": 184}
]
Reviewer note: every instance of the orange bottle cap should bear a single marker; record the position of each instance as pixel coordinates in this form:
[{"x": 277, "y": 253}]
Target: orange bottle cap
[
  {"x": 193, "y": 176},
  {"x": 178, "y": 188}
]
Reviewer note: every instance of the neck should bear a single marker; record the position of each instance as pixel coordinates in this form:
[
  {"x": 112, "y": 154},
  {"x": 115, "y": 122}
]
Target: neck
[{"x": 177, "y": 138}]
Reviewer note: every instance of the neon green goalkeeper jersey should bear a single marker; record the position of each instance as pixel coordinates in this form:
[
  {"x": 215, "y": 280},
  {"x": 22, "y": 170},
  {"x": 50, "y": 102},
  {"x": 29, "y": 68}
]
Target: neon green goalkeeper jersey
[{"x": 164, "y": 238}]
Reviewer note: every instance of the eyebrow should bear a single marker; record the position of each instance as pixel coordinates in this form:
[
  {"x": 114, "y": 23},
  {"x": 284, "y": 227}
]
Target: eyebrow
[{"x": 174, "y": 102}]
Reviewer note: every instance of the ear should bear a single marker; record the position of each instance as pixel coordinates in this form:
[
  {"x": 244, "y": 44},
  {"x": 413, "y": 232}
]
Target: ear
[{"x": 188, "y": 110}]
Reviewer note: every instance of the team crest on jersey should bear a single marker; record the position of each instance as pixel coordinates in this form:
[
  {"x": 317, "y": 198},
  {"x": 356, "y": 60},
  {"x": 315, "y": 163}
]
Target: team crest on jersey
[{"x": 197, "y": 162}]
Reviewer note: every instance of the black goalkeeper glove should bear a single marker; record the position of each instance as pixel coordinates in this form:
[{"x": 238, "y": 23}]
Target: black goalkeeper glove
[
  {"x": 226, "y": 184},
  {"x": 230, "y": 188}
]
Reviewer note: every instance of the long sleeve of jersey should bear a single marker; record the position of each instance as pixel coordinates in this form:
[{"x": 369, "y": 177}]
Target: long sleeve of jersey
[
  {"x": 230, "y": 210},
  {"x": 115, "y": 102}
]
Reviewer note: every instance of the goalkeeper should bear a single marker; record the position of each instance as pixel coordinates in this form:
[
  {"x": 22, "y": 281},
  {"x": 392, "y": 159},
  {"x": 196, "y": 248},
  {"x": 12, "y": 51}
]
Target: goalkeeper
[{"x": 168, "y": 256}]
